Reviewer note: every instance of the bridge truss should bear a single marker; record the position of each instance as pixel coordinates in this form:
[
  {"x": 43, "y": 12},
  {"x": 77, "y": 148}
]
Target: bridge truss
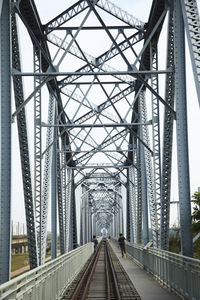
[{"x": 96, "y": 131}]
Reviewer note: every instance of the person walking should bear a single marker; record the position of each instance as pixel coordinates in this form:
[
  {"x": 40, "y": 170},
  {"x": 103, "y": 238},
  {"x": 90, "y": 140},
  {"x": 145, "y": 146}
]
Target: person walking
[
  {"x": 121, "y": 242},
  {"x": 95, "y": 241}
]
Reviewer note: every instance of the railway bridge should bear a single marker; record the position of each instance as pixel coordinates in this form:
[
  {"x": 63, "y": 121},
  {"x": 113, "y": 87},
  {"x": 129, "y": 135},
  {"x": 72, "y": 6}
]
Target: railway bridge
[{"x": 94, "y": 101}]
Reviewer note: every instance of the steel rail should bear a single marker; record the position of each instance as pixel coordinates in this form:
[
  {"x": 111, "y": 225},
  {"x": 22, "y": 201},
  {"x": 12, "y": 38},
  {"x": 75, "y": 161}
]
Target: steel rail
[
  {"x": 113, "y": 274},
  {"x": 85, "y": 277},
  {"x": 90, "y": 277},
  {"x": 82, "y": 289},
  {"x": 107, "y": 278}
]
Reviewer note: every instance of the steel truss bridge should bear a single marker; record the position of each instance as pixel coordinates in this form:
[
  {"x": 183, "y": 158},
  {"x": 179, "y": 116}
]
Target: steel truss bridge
[{"x": 99, "y": 124}]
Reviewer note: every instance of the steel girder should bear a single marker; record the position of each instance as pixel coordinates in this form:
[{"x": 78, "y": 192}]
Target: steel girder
[
  {"x": 38, "y": 153},
  {"x": 111, "y": 101},
  {"x": 84, "y": 216},
  {"x": 64, "y": 192},
  {"x": 73, "y": 225},
  {"x": 46, "y": 175},
  {"x": 60, "y": 202},
  {"x": 42, "y": 189},
  {"x": 82, "y": 5},
  {"x": 68, "y": 14},
  {"x": 132, "y": 206},
  {"x": 167, "y": 140},
  {"x": 135, "y": 200},
  {"x": 156, "y": 138},
  {"x": 147, "y": 172},
  {"x": 105, "y": 143},
  {"x": 192, "y": 25},
  {"x": 138, "y": 187},
  {"x": 24, "y": 150},
  {"x": 54, "y": 209},
  {"x": 144, "y": 192},
  {"x": 121, "y": 14},
  {"x": 128, "y": 216},
  {"x": 29, "y": 16},
  {"x": 181, "y": 130},
  {"x": 68, "y": 207},
  {"x": 98, "y": 62},
  {"x": 5, "y": 149},
  {"x": 81, "y": 226}
]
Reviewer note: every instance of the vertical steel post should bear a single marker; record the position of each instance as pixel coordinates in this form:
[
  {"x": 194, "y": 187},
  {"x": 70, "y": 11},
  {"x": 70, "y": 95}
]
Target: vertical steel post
[
  {"x": 144, "y": 174},
  {"x": 83, "y": 214},
  {"x": 90, "y": 223},
  {"x": 147, "y": 168},
  {"x": 68, "y": 207},
  {"x": 71, "y": 200},
  {"x": 144, "y": 198},
  {"x": 132, "y": 212},
  {"x": 111, "y": 227},
  {"x": 38, "y": 152},
  {"x": 24, "y": 149},
  {"x": 139, "y": 195},
  {"x": 181, "y": 129},
  {"x": 128, "y": 221},
  {"x": 120, "y": 211},
  {"x": 156, "y": 138},
  {"x": 63, "y": 182},
  {"x": 167, "y": 138},
  {"x": 54, "y": 202},
  {"x": 87, "y": 218},
  {"x": 94, "y": 227},
  {"x": 60, "y": 201},
  {"x": 46, "y": 175},
  {"x": 81, "y": 225},
  {"x": 5, "y": 148},
  {"x": 73, "y": 220}
]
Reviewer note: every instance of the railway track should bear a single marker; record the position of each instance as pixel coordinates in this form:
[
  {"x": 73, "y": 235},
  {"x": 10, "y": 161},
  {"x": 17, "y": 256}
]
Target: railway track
[{"x": 103, "y": 277}]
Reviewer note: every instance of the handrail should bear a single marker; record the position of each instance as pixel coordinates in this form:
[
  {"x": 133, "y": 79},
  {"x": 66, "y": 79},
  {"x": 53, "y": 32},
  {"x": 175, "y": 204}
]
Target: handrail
[
  {"x": 50, "y": 280},
  {"x": 179, "y": 273}
]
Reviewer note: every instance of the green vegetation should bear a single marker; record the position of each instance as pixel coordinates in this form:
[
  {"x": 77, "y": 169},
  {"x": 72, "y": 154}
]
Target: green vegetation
[
  {"x": 19, "y": 261},
  {"x": 196, "y": 248},
  {"x": 195, "y": 227},
  {"x": 175, "y": 240}
]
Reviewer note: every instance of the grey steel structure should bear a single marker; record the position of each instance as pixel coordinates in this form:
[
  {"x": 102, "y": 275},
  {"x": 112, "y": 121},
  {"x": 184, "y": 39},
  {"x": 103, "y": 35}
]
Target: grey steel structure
[
  {"x": 101, "y": 207},
  {"x": 97, "y": 124}
]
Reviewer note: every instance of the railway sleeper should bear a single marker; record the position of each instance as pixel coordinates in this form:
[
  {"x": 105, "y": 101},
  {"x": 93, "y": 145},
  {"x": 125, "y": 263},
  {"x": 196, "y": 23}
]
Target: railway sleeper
[{"x": 102, "y": 277}]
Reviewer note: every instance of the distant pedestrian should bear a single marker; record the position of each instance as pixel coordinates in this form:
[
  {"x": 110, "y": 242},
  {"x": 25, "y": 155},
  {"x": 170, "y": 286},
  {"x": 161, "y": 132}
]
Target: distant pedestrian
[
  {"x": 121, "y": 242},
  {"x": 95, "y": 241}
]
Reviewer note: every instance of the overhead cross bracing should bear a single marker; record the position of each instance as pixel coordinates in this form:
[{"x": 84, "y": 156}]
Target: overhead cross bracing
[
  {"x": 101, "y": 93},
  {"x": 101, "y": 206}
]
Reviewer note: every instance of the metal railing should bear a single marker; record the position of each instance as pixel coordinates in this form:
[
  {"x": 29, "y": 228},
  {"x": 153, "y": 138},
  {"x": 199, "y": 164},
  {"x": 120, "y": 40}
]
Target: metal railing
[
  {"x": 49, "y": 281},
  {"x": 180, "y": 274}
]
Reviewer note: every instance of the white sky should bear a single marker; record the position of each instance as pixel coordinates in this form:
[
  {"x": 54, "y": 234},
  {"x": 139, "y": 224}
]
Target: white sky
[{"x": 139, "y": 9}]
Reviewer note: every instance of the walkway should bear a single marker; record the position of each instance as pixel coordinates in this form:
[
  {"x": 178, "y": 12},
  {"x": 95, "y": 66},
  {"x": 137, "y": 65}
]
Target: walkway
[{"x": 147, "y": 287}]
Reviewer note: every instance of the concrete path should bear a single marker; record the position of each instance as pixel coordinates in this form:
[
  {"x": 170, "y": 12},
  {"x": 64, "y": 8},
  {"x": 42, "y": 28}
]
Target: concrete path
[
  {"x": 20, "y": 271},
  {"x": 147, "y": 287}
]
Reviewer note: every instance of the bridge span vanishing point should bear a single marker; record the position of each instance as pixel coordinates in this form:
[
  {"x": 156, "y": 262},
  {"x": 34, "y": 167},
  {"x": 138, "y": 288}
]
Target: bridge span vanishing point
[{"x": 99, "y": 101}]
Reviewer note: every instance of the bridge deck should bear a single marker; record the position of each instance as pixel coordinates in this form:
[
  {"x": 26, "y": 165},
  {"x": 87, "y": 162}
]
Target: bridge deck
[{"x": 147, "y": 287}]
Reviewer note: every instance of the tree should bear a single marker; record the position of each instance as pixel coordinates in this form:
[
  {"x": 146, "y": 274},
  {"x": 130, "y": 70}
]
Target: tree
[{"x": 195, "y": 227}]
